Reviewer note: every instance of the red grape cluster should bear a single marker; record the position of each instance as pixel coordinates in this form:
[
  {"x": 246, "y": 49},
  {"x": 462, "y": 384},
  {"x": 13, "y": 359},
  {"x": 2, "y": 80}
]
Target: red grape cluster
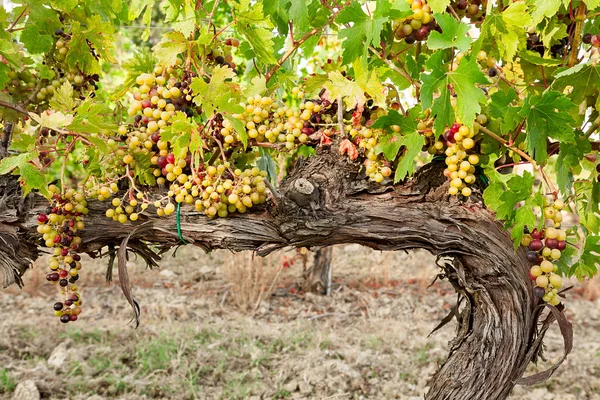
[
  {"x": 417, "y": 26},
  {"x": 59, "y": 227},
  {"x": 545, "y": 247},
  {"x": 472, "y": 9},
  {"x": 594, "y": 40}
]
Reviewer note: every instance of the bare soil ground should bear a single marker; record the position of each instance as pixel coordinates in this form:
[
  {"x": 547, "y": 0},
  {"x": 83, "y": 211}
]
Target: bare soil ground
[{"x": 368, "y": 340}]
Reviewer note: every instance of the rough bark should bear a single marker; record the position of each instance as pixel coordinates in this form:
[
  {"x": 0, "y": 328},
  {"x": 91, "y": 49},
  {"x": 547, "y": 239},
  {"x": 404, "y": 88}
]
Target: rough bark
[
  {"x": 325, "y": 202},
  {"x": 318, "y": 277}
]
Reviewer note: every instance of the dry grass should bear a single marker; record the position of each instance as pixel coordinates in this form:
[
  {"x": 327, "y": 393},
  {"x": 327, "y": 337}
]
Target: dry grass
[{"x": 252, "y": 279}]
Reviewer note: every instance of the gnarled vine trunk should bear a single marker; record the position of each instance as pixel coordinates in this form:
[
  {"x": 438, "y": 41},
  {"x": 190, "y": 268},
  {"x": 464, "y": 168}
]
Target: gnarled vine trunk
[
  {"x": 325, "y": 202},
  {"x": 318, "y": 277}
]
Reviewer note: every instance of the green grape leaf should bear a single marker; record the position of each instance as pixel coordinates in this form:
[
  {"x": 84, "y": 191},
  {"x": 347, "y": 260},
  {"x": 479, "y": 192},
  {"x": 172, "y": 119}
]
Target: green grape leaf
[
  {"x": 23, "y": 142},
  {"x": 180, "y": 134},
  {"x": 543, "y": 9},
  {"x": 185, "y": 21},
  {"x": 588, "y": 204},
  {"x": 32, "y": 178},
  {"x": 8, "y": 164},
  {"x": 256, "y": 29},
  {"x": 136, "y": 7},
  {"x": 547, "y": 116},
  {"x": 535, "y": 58},
  {"x": 35, "y": 41},
  {"x": 340, "y": 86},
  {"x": 239, "y": 127},
  {"x": 370, "y": 82},
  {"x": 62, "y": 100},
  {"x": 366, "y": 29},
  {"x": 507, "y": 28},
  {"x": 454, "y": 34},
  {"x": 64, "y": 5},
  {"x": 99, "y": 142},
  {"x": 142, "y": 62},
  {"x": 265, "y": 163},
  {"x": 97, "y": 35},
  {"x": 298, "y": 13},
  {"x": 553, "y": 31},
  {"x": 4, "y": 69},
  {"x": 219, "y": 95},
  {"x": 569, "y": 157},
  {"x": 501, "y": 110},
  {"x": 592, "y": 4},
  {"x": 143, "y": 169},
  {"x": 406, "y": 166},
  {"x": 468, "y": 96},
  {"x": 438, "y": 6},
  {"x": 584, "y": 80},
  {"x": 257, "y": 86},
  {"x": 92, "y": 117},
  {"x": 589, "y": 260},
  {"x": 11, "y": 54},
  {"x": 525, "y": 216},
  {"x": 408, "y": 136},
  {"x": 46, "y": 72},
  {"x": 169, "y": 48}
]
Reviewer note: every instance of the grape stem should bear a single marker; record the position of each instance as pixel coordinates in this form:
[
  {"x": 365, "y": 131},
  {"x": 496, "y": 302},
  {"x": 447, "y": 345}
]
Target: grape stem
[
  {"x": 394, "y": 68},
  {"x": 340, "y": 115},
  {"x": 10, "y": 29},
  {"x": 297, "y": 44},
  {"x": 13, "y": 107},
  {"x": 578, "y": 26},
  {"x": 520, "y": 152}
]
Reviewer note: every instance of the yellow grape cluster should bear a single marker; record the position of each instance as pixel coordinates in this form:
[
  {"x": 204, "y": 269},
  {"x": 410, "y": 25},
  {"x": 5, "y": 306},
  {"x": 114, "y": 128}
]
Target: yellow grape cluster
[
  {"x": 60, "y": 226},
  {"x": 376, "y": 167},
  {"x": 267, "y": 121},
  {"x": 545, "y": 246},
  {"x": 460, "y": 164}
]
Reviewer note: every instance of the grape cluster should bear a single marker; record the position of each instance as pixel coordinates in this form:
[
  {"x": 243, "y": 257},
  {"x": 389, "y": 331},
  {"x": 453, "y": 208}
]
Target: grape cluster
[
  {"x": 594, "y": 40},
  {"x": 29, "y": 85},
  {"x": 59, "y": 227},
  {"x": 598, "y": 171},
  {"x": 473, "y": 9},
  {"x": 460, "y": 159},
  {"x": 220, "y": 53},
  {"x": 376, "y": 167},
  {"x": 417, "y": 26},
  {"x": 544, "y": 247}
]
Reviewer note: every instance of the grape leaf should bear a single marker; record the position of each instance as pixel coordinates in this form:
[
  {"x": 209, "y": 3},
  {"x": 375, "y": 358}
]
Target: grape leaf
[
  {"x": 265, "y": 163},
  {"x": 570, "y": 156},
  {"x": 52, "y": 120},
  {"x": 4, "y": 69},
  {"x": 62, "y": 100},
  {"x": 142, "y": 62},
  {"x": 408, "y": 136},
  {"x": 252, "y": 24},
  {"x": 507, "y": 28},
  {"x": 525, "y": 216},
  {"x": 340, "y": 86},
  {"x": 171, "y": 45},
  {"x": 239, "y": 127},
  {"x": 585, "y": 81},
  {"x": 370, "y": 82},
  {"x": 592, "y": 4},
  {"x": 35, "y": 41},
  {"x": 588, "y": 204},
  {"x": 180, "y": 133},
  {"x": 438, "y": 6},
  {"x": 552, "y": 32},
  {"x": 298, "y": 13},
  {"x": 547, "y": 116},
  {"x": 100, "y": 143},
  {"x": 184, "y": 21},
  {"x": 8, "y": 164},
  {"x": 543, "y": 9},
  {"x": 258, "y": 85},
  {"x": 92, "y": 117},
  {"x": 32, "y": 178},
  {"x": 366, "y": 29},
  {"x": 454, "y": 34},
  {"x": 143, "y": 169},
  {"x": 501, "y": 110},
  {"x": 217, "y": 95},
  {"x": 97, "y": 36},
  {"x": 468, "y": 96},
  {"x": 535, "y": 58},
  {"x": 589, "y": 260}
]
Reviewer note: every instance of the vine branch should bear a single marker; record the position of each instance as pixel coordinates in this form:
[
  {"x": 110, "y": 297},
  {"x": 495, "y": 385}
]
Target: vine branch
[{"x": 13, "y": 107}]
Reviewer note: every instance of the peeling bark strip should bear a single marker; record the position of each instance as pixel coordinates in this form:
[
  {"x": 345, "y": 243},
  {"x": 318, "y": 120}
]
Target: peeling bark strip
[{"x": 324, "y": 202}]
